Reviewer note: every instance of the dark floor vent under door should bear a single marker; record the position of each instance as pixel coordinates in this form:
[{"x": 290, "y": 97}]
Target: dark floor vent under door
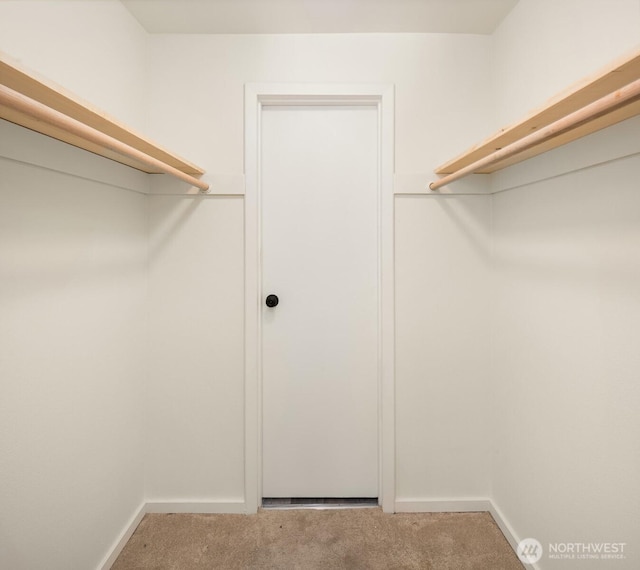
[{"x": 314, "y": 503}]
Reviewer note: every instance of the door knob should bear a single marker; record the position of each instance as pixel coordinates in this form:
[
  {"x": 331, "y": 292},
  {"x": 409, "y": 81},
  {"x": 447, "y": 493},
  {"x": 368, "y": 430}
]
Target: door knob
[{"x": 272, "y": 300}]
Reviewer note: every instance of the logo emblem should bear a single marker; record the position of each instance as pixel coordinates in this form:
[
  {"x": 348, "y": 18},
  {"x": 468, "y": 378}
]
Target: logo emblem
[{"x": 529, "y": 551}]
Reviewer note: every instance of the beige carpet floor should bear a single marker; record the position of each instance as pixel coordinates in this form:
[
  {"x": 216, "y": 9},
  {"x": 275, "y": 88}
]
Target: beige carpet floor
[{"x": 310, "y": 540}]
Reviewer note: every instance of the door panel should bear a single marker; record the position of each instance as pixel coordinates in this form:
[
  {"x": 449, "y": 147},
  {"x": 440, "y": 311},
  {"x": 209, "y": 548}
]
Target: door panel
[{"x": 319, "y": 177}]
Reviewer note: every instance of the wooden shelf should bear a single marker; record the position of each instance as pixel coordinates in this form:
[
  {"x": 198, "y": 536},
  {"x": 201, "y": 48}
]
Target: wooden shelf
[
  {"x": 615, "y": 76},
  {"x": 45, "y": 92}
]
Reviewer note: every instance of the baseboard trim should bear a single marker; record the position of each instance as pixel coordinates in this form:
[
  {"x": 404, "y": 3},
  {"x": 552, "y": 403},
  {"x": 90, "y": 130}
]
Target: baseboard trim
[
  {"x": 197, "y": 507},
  {"x": 124, "y": 537},
  {"x": 512, "y": 537},
  {"x": 165, "y": 507},
  {"x": 466, "y": 505},
  {"x": 504, "y": 526}
]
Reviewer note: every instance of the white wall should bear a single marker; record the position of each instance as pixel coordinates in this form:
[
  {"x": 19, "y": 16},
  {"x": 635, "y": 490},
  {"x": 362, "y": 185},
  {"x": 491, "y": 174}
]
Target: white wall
[
  {"x": 566, "y": 298},
  {"x": 93, "y": 48},
  {"x": 197, "y": 88},
  {"x": 73, "y": 289},
  {"x": 439, "y": 455},
  {"x": 442, "y": 348},
  {"x": 195, "y": 448},
  {"x": 544, "y": 46}
]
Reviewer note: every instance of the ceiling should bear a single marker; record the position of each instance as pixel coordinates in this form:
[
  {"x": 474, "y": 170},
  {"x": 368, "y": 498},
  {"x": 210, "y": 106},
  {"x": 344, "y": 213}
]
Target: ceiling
[{"x": 318, "y": 16}]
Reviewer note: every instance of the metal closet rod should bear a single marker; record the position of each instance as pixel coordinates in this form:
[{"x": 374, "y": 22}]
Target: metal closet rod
[
  {"x": 39, "y": 111},
  {"x": 589, "y": 112}
]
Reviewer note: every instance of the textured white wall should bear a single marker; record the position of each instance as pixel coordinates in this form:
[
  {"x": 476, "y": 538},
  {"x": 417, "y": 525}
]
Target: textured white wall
[
  {"x": 441, "y": 98},
  {"x": 73, "y": 290},
  {"x": 566, "y": 303}
]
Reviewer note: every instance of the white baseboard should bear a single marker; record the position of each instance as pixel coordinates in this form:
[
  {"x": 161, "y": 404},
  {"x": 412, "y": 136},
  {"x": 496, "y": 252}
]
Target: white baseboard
[
  {"x": 466, "y": 505},
  {"x": 197, "y": 507},
  {"x": 122, "y": 540},
  {"x": 504, "y": 526},
  {"x": 512, "y": 537}
]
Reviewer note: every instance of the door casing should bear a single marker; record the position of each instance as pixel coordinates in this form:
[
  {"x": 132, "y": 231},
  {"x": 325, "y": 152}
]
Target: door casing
[{"x": 256, "y": 97}]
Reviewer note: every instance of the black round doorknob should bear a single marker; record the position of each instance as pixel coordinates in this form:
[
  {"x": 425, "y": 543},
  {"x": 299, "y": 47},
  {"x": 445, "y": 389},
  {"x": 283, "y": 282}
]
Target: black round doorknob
[{"x": 272, "y": 300}]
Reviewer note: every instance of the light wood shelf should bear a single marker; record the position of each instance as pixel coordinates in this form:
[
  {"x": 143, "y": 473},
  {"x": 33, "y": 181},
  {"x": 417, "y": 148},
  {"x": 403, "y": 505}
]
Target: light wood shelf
[
  {"x": 607, "y": 81},
  {"x": 44, "y": 92}
]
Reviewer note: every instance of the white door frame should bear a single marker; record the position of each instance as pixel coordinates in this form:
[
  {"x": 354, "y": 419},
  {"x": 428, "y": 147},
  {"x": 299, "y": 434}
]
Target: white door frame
[{"x": 257, "y": 96}]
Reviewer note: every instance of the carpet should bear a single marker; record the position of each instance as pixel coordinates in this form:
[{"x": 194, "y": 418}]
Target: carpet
[{"x": 318, "y": 539}]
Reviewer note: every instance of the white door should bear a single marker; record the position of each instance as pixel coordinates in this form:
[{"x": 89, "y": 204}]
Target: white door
[{"x": 319, "y": 179}]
